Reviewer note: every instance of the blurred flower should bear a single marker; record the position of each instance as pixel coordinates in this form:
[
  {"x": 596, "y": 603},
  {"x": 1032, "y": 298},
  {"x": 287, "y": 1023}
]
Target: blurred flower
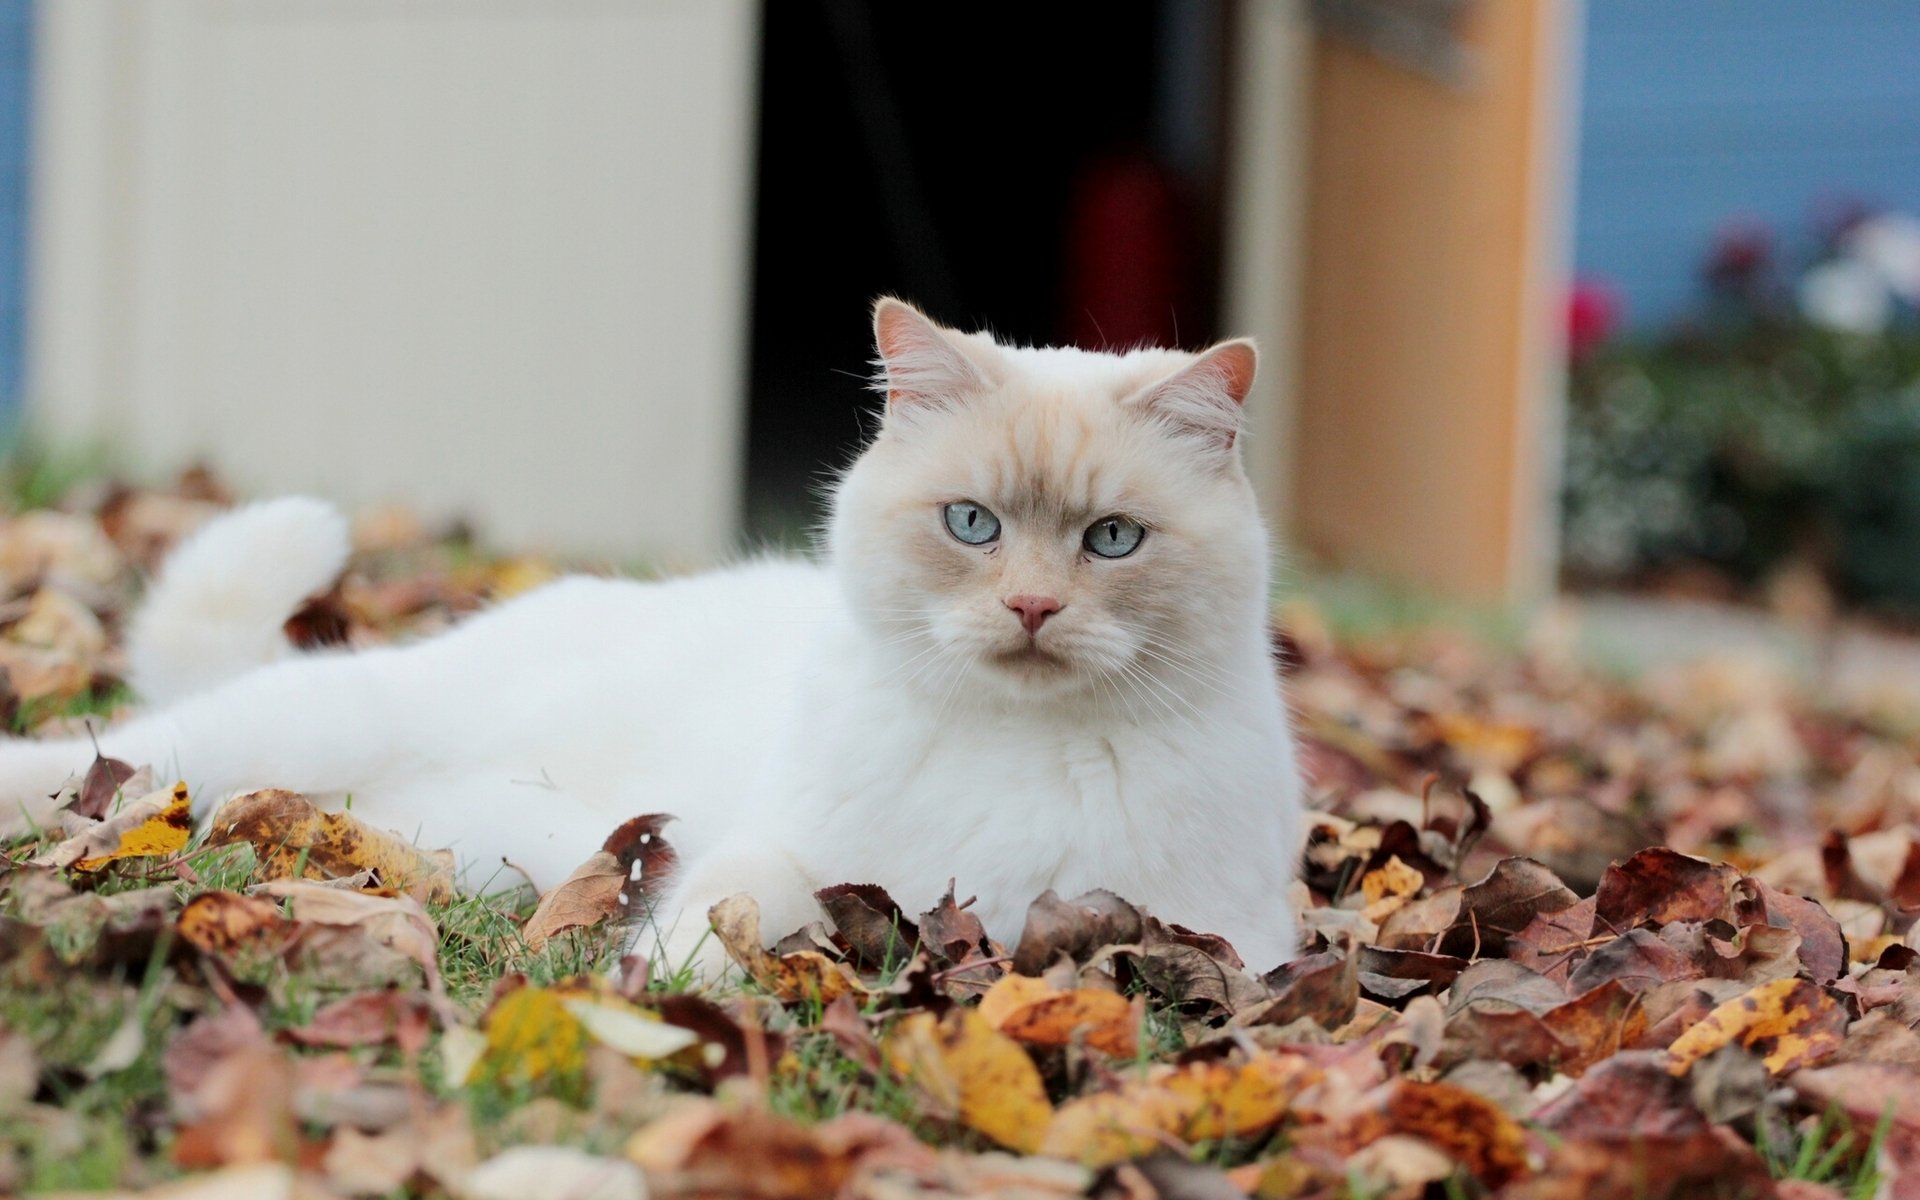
[
  {"x": 1846, "y": 294},
  {"x": 1742, "y": 252},
  {"x": 1889, "y": 243},
  {"x": 1593, "y": 314}
]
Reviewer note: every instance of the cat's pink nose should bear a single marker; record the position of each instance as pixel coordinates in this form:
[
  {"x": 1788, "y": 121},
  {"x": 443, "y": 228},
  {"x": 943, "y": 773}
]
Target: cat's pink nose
[{"x": 1033, "y": 610}]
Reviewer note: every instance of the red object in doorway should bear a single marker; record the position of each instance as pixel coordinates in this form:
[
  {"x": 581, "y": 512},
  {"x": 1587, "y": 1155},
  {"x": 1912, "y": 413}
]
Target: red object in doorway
[{"x": 1125, "y": 270}]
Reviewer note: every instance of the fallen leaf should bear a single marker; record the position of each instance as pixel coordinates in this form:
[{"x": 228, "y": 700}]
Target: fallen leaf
[
  {"x": 1323, "y": 988},
  {"x": 705, "y": 1148},
  {"x": 101, "y": 786},
  {"x": 230, "y": 926},
  {"x": 369, "y": 1019},
  {"x": 292, "y": 838},
  {"x": 1178, "y": 1106},
  {"x": 1467, "y": 1128},
  {"x": 878, "y": 933},
  {"x": 1630, "y": 1095},
  {"x": 805, "y": 975},
  {"x": 156, "y": 825},
  {"x": 972, "y": 1070},
  {"x": 554, "y": 1173},
  {"x": 1045, "y": 1016},
  {"x": 1659, "y": 885},
  {"x": 531, "y": 1039},
  {"x": 635, "y": 1032},
  {"x": 953, "y": 934},
  {"x": 245, "y": 1102},
  {"x": 1789, "y": 1022},
  {"x": 397, "y": 923},
  {"x": 1075, "y": 929},
  {"x": 585, "y": 898}
]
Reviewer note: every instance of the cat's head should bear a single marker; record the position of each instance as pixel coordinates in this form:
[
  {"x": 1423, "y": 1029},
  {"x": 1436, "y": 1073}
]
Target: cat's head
[{"x": 1036, "y": 522}]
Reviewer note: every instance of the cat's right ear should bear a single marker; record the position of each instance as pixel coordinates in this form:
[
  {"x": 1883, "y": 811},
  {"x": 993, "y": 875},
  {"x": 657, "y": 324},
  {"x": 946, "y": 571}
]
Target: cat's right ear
[{"x": 919, "y": 361}]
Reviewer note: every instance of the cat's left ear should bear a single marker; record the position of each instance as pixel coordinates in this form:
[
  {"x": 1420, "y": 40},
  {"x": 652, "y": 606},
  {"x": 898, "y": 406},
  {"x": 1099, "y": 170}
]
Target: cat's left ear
[{"x": 1206, "y": 398}]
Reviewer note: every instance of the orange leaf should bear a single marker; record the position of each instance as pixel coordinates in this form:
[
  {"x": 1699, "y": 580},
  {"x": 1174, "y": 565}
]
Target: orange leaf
[{"x": 1033, "y": 1011}]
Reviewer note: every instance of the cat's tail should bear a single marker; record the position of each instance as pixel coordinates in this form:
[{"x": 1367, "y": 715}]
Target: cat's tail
[{"x": 220, "y": 603}]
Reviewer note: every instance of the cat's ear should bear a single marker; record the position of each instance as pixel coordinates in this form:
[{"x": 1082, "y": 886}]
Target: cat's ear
[
  {"x": 920, "y": 362},
  {"x": 1206, "y": 398}
]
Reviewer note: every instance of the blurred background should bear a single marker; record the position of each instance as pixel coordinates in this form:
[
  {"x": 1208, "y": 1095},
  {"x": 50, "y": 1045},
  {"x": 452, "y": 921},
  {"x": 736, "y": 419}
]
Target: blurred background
[{"x": 1618, "y": 296}]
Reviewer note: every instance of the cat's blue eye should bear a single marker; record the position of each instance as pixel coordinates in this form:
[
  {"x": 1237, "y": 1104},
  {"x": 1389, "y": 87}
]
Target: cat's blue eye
[
  {"x": 972, "y": 523},
  {"x": 1115, "y": 536}
]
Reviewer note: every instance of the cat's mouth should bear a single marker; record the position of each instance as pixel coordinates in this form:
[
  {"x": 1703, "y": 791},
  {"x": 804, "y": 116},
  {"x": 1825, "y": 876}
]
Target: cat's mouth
[{"x": 1029, "y": 656}]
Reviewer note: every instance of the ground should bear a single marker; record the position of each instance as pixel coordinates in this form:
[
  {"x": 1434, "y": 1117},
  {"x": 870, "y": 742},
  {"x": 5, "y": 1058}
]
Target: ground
[{"x": 1628, "y": 923}]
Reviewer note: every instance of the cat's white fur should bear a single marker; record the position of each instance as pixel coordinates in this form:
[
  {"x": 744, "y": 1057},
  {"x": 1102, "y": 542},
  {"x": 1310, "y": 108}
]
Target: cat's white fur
[{"x": 881, "y": 717}]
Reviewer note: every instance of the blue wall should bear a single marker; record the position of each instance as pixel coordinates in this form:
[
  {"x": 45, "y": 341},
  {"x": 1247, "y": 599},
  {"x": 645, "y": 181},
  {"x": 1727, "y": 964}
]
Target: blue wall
[
  {"x": 1698, "y": 110},
  {"x": 16, "y": 44}
]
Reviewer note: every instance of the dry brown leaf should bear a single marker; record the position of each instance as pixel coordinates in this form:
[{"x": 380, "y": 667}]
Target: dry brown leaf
[
  {"x": 293, "y": 838},
  {"x": 803, "y": 975},
  {"x": 397, "y": 923},
  {"x": 587, "y": 897},
  {"x": 56, "y": 621},
  {"x": 247, "y": 1112},
  {"x": 230, "y": 926}
]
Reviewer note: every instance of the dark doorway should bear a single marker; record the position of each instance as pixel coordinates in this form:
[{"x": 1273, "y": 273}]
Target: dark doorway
[{"x": 1050, "y": 171}]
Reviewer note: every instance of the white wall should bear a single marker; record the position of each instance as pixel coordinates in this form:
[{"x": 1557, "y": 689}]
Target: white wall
[{"x": 485, "y": 256}]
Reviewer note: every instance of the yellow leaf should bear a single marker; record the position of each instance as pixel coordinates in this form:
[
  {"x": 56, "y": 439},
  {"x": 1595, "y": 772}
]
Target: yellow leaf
[
  {"x": 531, "y": 1037},
  {"x": 1388, "y": 888},
  {"x": 518, "y": 575},
  {"x": 1177, "y": 1107},
  {"x": 1394, "y": 878},
  {"x": 1011, "y": 993},
  {"x": 1233, "y": 1101},
  {"x": 1494, "y": 745},
  {"x": 972, "y": 1070},
  {"x": 292, "y": 838},
  {"x": 1111, "y": 1127},
  {"x": 155, "y": 825},
  {"x": 1791, "y": 1022}
]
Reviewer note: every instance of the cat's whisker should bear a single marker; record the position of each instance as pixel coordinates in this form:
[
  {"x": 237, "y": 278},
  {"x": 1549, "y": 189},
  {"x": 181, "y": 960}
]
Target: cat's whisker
[
  {"x": 1163, "y": 696},
  {"x": 1211, "y": 685}
]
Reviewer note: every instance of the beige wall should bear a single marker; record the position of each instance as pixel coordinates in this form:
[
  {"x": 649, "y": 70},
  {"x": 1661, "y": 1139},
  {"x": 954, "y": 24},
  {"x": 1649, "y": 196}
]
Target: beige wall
[
  {"x": 1435, "y": 264},
  {"x": 485, "y": 256}
]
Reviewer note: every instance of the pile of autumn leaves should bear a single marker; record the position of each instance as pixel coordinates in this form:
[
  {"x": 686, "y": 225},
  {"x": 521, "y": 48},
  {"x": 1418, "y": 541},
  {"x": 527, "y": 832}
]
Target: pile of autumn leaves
[{"x": 1567, "y": 938}]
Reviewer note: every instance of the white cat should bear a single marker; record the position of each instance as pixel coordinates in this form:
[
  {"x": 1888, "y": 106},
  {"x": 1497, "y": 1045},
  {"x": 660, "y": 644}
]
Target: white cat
[{"x": 1035, "y": 657}]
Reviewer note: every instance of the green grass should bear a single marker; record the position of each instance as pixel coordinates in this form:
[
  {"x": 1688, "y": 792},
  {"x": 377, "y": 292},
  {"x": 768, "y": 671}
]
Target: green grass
[
  {"x": 1359, "y": 607},
  {"x": 101, "y": 704},
  {"x": 35, "y": 476},
  {"x": 1830, "y": 1151}
]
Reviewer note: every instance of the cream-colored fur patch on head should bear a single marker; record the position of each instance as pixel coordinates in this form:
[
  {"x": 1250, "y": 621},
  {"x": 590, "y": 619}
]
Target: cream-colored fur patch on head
[{"x": 1050, "y": 443}]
